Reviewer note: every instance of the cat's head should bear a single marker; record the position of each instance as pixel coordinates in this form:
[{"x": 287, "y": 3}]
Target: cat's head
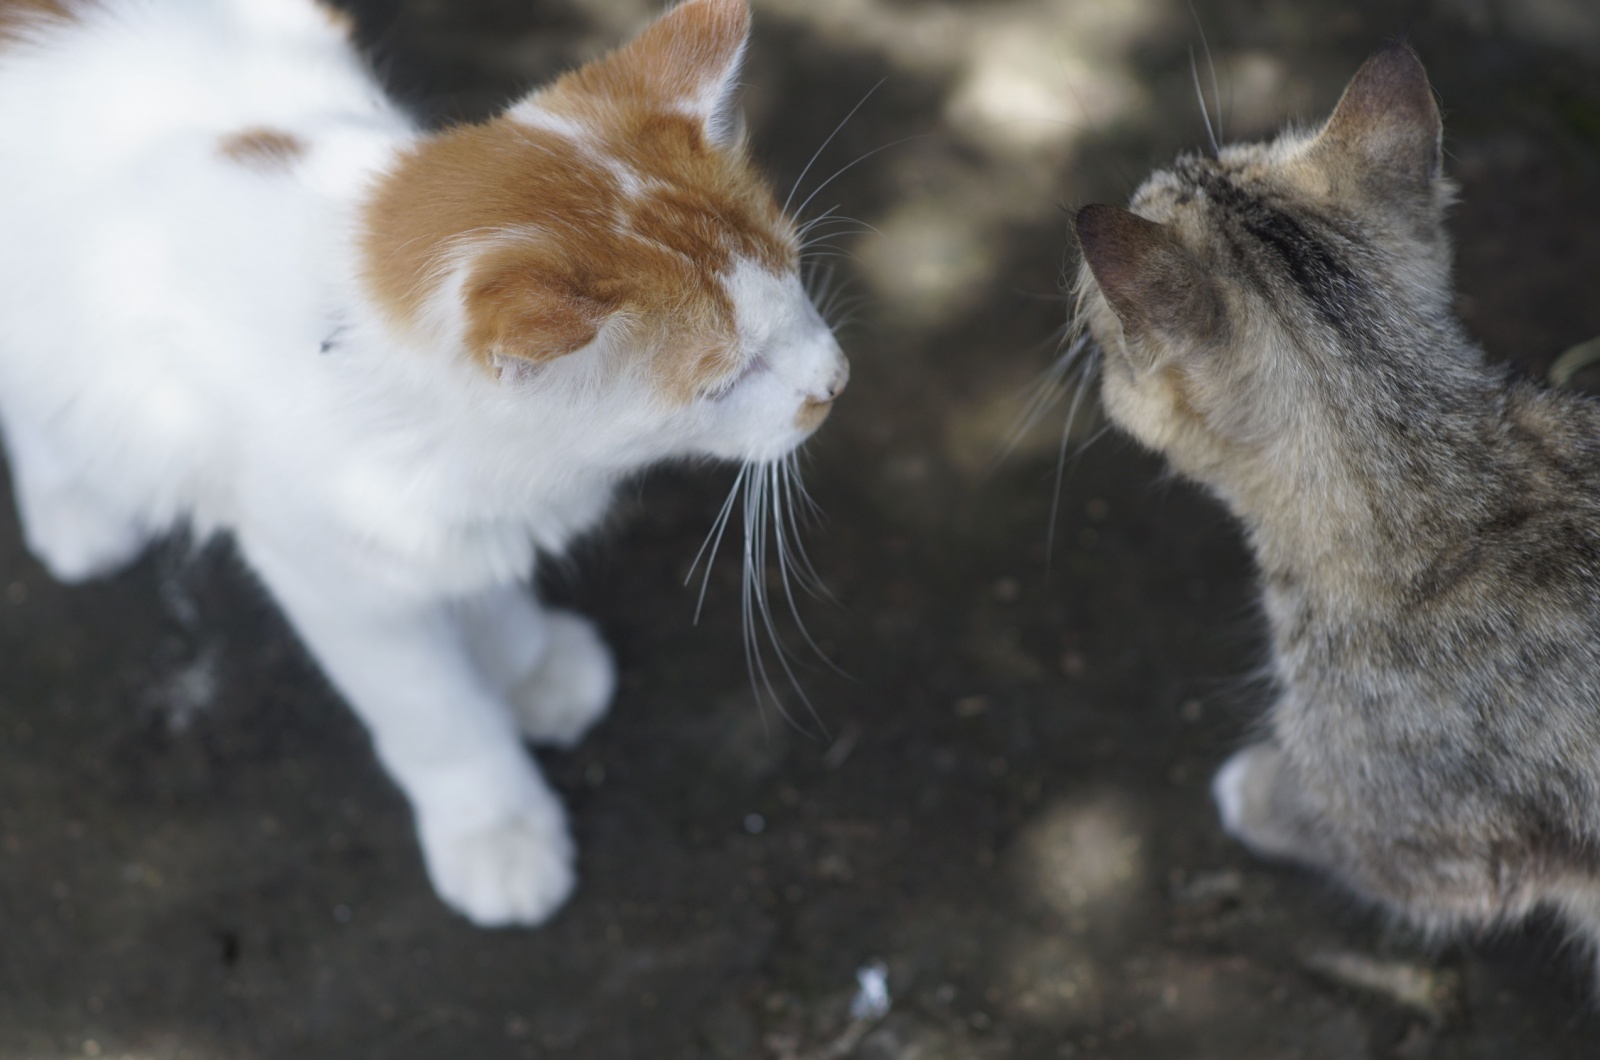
[
  {"x": 1247, "y": 300},
  {"x": 606, "y": 241}
]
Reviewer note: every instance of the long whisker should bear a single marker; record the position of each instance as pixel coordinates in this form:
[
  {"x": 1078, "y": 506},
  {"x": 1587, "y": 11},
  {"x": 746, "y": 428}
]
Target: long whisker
[
  {"x": 812, "y": 511},
  {"x": 755, "y": 663},
  {"x": 844, "y": 224},
  {"x": 833, "y": 234},
  {"x": 818, "y": 152},
  {"x": 816, "y": 271},
  {"x": 759, "y": 602},
  {"x": 828, "y": 240},
  {"x": 829, "y": 289},
  {"x": 1211, "y": 66},
  {"x": 802, "y": 229},
  {"x": 1105, "y": 429},
  {"x": 831, "y": 254},
  {"x": 833, "y": 222},
  {"x": 780, "y": 648},
  {"x": 837, "y": 298},
  {"x": 841, "y": 317},
  {"x": 713, "y": 541},
  {"x": 780, "y": 473},
  {"x": 1084, "y": 370},
  {"x": 842, "y": 170},
  {"x": 807, "y": 574},
  {"x": 1205, "y": 112},
  {"x": 1044, "y": 391}
]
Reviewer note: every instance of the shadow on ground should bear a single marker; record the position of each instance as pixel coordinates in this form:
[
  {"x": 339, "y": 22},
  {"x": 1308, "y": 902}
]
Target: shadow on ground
[{"x": 199, "y": 858}]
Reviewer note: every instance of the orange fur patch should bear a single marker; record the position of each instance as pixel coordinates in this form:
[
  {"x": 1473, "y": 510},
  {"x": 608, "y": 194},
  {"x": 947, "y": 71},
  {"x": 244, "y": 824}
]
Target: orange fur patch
[
  {"x": 664, "y": 63},
  {"x": 811, "y": 414},
  {"x": 263, "y": 149},
  {"x": 341, "y": 19},
  {"x": 17, "y": 15},
  {"x": 636, "y": 222}
]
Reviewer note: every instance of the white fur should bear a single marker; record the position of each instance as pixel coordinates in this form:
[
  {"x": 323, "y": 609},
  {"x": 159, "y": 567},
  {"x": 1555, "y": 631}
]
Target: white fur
[
  {"x": 163, "y": 318},
  {"x": 1227, "y": 790}
]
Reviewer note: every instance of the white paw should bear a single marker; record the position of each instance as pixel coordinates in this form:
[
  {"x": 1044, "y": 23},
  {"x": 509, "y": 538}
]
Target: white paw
[
  {"x": 1259, "y": 809},
  {"x": 77, "y": 539},
  {"x": 572, "y": 686},
  {"x": 1228, "y": 789},
  {"x": 516, "y": 872}
]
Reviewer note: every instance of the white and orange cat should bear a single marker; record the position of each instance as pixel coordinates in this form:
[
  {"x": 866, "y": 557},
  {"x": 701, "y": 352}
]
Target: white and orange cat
[{"x": 241, "y": 292}]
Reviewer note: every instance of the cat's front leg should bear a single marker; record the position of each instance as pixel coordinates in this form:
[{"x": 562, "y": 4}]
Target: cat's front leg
[
  {"x": 493, "y": 834},
  {"x": 71, "y": 525},
  {"x": 551, "y": 664}
]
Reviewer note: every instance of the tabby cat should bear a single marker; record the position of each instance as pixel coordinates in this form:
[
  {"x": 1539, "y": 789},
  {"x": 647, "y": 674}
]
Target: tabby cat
[{"x": 1277, "y": 321}]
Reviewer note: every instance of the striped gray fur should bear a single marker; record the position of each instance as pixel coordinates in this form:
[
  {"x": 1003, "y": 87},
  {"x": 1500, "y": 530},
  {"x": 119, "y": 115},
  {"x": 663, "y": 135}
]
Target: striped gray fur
[{"x": 1277, "y": 321}]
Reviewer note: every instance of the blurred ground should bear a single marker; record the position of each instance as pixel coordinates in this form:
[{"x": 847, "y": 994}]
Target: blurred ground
[{"x": 199, "y": 858}]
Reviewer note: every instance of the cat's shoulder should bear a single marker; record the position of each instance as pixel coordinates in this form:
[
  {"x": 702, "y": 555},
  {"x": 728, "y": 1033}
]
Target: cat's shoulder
[{"x": 1559, "y": 422}]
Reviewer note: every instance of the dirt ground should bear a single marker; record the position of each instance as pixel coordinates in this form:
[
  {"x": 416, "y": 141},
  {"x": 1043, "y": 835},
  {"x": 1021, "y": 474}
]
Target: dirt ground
[{"x": 1009, "y": 809}]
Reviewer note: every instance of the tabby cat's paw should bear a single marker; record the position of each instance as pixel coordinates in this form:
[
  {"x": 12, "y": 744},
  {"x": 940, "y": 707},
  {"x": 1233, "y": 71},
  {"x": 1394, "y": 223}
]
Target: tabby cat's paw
[
  {"x": 572, "y": 687},
  {"x": 517, "y": 872},
  {"x": 1238, "y": 789},
  {"x": 1262, "y": 806}
]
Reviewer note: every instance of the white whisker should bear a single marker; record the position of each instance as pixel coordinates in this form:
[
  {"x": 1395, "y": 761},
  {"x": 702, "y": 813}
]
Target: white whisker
[
  {"x": 780, "y": 473},
  {"x": 842, "y": 170},
  {"x": 1044, "y": 391},
  {"x": 801, "y": 230},
  {"x": 713, "y": 541},
  {"x": 1084, "y": 368},
  {"x": 780, "y": 649},
  {"x": 1205, "y": 112},
  {"x": 789, "y": 524},
  {"x": 813, "y": 511},
  {"x": 818, "y": 152},
  {"x": 772, "y": 499},
  {"x": 1211, "y": 66},
  {"x": 834, "y": 226}
]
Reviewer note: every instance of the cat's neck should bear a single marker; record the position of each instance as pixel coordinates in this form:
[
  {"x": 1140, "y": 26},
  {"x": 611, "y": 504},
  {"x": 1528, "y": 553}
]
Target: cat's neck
[{"x": 1364, "y": 500}]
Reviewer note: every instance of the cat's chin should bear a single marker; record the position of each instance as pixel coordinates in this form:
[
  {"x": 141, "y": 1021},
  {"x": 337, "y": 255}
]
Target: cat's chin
[{"x": 763, "y": 451}]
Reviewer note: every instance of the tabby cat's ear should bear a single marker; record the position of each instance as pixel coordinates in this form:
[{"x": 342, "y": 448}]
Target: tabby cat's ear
[
  {"x": 687, "y": 60},
  {"x": 1387, "y": 123},
  {"x": 1151, "y": 282}
]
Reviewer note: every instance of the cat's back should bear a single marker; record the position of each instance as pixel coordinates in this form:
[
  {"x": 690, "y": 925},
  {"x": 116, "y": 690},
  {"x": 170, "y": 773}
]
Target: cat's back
[
  {"x": 143, "y": 69},
  {"x": 178, "y": 180},
  {"x": 170, "y": 48},
  {"x": 1546, "y": 524},
  {"x": 1490, "y": 618},
  {"x": 154, "y": 151}
]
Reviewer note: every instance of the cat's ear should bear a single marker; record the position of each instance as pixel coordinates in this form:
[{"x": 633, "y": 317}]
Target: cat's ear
[
  {"x": 689, "y": 60},
  {"x": 1151, "y": 282},
  {"x": 526, "y": 312},
  {"x": 1387, "y": 122}
]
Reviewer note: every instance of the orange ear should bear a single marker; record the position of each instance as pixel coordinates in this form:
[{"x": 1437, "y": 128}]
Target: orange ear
[
  {"x": 687, "y": 59},
  {"x": 526, "y": 311}
]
